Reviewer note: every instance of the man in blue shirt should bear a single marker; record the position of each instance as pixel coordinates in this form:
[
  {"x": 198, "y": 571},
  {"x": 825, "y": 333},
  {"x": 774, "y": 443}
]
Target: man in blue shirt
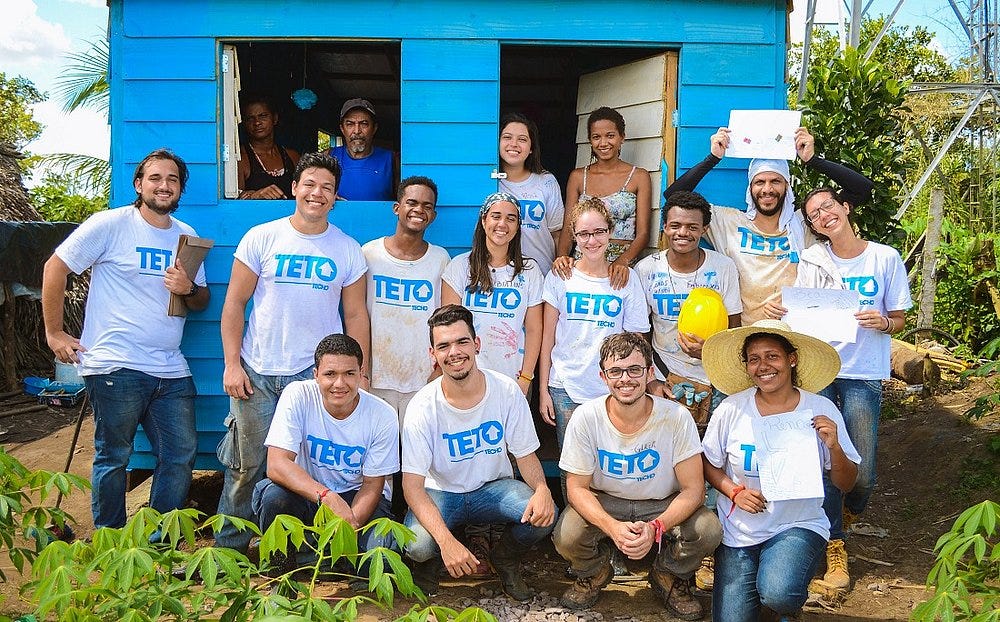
[{"x": 369, "y": 172}]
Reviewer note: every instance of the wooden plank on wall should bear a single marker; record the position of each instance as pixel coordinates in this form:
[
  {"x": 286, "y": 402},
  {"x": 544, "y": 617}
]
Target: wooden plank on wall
[
  {"x": 427, "y": 101},
  {"x": 196, "y": 143},
  {"x": 732, "y": 65},
  {"x": 169, "y": 100},
  {"x": 459, "y": 60},
  {"x": 625, "y": 85},
  {"x": 162, "y": 58}
]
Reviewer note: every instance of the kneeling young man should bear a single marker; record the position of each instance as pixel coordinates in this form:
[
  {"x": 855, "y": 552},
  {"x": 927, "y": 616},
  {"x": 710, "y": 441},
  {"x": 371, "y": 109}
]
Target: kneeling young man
[
  {"x": 634, "y": 476},
  {"x": 330, "y": 443},
  {"x": 457, "y": 433}
]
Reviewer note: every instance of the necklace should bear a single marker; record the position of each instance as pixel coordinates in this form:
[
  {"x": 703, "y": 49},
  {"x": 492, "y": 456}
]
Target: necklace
[
  {"x": 278, "y": 172},
  {"x": 691, "y": 283}
]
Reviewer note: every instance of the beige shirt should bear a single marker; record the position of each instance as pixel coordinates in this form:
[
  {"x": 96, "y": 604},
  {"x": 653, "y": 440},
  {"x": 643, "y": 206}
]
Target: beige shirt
[{"x": 765, "y": 262}]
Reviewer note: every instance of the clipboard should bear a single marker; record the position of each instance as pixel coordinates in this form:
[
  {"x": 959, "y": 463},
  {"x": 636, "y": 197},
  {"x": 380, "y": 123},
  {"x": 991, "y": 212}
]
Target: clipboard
[{"x": 191, "y": 252}]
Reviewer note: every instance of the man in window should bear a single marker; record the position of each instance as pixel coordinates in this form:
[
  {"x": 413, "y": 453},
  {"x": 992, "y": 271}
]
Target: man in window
[
  {"x": 370, "y": 172},
  {"x": 299, "y": 270}
]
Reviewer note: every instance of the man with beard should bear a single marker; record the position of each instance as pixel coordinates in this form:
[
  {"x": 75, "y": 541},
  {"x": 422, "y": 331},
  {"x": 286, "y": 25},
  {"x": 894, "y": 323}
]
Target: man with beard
[
  {"x": 299, "y": 270},
  {"x": 370, "y": 172},
  {"x": 129, "y": 352},
  {"x": 764, "y": 241},
  {"x": 634, "y": 480},
  {"x": 456, "y": 437}
]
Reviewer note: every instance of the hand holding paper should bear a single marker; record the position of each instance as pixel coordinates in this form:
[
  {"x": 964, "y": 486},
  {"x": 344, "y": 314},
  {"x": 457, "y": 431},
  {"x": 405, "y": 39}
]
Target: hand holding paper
[
  {"x": 788, "y": 456},
  {"x": 826, "y": 314},
  {"x": 763, "y": 134}
]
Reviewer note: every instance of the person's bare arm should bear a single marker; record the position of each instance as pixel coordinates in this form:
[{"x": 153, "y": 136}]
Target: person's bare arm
[
  {"x": 358, "y": 325},
  {"x": 62, "y": 344},
  {"x": 574, "y": 187},
  {"x": 690, "y": 476},
  {"x": 457, "y": 559},
  {"x": 242, "y": 282},
  {"x": 843, "y": 472},
  {"x": 178, "y": 282},
  {"x": 284, "y": 471},
  {"x": 541, "y": 509},
  {"x": 449, "y": 296},
  {"x": 533, "y": 321},
  {"x": 550, "y": 317},
  {"x": 747, "y": 499},
  {"x": 367, "y": 499}
]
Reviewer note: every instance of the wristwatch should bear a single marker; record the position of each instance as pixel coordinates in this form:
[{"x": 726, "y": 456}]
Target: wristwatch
[{"x": 194, "y": 290}]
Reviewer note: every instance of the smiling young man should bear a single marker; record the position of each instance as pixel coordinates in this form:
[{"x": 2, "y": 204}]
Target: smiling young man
[
  {"x": 299, "y": 271},
  {"x": 404, "y": 282},
  {"x": 332, "y": 444},
  {"x": 370, "y": 172},
  {"x": 456, "y": 437},
  {"x": 133, "y": 368},
  {"x": 634, "y": 478}
]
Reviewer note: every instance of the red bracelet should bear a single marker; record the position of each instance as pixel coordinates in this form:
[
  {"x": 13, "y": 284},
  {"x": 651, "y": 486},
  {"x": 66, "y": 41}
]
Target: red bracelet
[
  {"x": 737, "y": 490},
  {"x": 320, "y": 494},
  {"x": 658, "y": 531}
]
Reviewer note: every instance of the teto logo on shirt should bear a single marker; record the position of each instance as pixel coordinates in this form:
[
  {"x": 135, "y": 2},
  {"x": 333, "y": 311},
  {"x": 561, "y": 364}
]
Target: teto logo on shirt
[
  {"x": 532, "y": 213},
  {"x": 668, "y": 306},
  {"x": 407, "y": 293},
  {"x": 866, "y": 286},
  {"x": 502, "y": 301},
  {"x": 752, "y": 243},
  {"x": 584, "y": 307},
  {"x": 484, "y": 439},
  {"x": 638, "y": 466},
  {"x": 305, "y": 270},
  {"x": 344, "y": 458},
  {"x": 153, "y": 261},
  {"x": 750, "y": 465}
]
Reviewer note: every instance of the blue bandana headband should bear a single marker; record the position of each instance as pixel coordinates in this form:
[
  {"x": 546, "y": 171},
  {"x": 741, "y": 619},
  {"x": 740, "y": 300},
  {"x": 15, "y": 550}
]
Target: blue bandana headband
[{"x": 499, "y": 197}]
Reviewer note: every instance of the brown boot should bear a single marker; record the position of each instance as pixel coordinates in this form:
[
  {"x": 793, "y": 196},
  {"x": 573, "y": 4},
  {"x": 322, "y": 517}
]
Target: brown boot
[
  {"x": 675, "y": 594},
  {"x": 704, "y": 577},
  {"x": 837, "y": 575},
  {"x": 584, "y": 592},
  {"x": 506, "y": 560}
]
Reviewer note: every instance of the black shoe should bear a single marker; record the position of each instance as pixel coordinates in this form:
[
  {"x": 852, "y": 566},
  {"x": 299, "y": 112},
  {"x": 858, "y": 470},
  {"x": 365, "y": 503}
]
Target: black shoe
[{"x": 427, "y": 575}]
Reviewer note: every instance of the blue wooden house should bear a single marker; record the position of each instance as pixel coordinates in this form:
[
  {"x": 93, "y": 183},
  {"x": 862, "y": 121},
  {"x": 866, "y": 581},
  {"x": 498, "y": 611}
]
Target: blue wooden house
[{"x": 440, "y": 74}]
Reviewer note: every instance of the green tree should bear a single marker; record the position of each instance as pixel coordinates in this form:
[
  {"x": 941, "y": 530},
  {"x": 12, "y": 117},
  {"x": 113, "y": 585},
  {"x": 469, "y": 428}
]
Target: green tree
[
  {"x": 17, "y": 125},
  {"x": 64, "y": 196}
]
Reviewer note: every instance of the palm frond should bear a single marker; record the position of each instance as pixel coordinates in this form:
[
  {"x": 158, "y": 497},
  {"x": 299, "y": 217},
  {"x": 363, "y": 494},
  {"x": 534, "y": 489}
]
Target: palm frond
[
  {"x": 93, "y": 173},
  {"x": 84, "y": 81}
]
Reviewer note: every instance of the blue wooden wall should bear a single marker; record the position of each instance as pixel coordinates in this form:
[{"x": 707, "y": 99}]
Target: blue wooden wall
[{"x": 166, "y": 91}]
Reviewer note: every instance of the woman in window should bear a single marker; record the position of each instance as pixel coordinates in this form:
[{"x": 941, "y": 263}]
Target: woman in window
[{"x": 265, "y": 168}]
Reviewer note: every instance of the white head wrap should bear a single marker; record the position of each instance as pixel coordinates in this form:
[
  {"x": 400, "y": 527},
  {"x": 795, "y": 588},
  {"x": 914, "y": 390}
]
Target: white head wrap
[{"x": 786, "y": 219}]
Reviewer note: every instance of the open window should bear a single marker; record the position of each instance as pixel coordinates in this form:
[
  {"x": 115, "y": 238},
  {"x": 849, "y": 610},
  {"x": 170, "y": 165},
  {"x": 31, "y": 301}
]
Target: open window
[{"x": 287, "y": 71}]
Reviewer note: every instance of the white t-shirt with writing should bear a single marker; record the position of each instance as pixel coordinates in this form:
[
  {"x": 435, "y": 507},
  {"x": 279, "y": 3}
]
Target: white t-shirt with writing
[
  {"x": 459, "y": 450},
  {"x": 879, "y": 277},
  {"x": 589, "y": 310},
  {"x": 730, "y": 445},
  {"x": 402, "y": 294},
  {"x": 297, "y": 299},
  {"x": 498, "y": 315},
  {"x": 666, "y": 290},
  {"x": 541, "y": 214},
  {"x": 337, "y": 453},
  {"x": 630, "y": 466},
  {"x": 126, "y": 322},
  {"x": 765, "y": 262}
]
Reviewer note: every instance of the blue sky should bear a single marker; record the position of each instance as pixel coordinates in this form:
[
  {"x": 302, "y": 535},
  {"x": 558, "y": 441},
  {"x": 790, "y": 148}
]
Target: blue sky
[{"x": 35, "y": 35}]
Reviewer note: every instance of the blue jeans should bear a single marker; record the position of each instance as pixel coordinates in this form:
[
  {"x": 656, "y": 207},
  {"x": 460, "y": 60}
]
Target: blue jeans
[
  {"x": 501, "y": 501},
  {"x": 563, "y": 405},
  {"x": 270, "y": 499},
  {"x": 123, "y": 400},
  {"x": 242, "y": 450},
  {"x": 860, "y": 402},
  {"x": 773, "y": 574}
]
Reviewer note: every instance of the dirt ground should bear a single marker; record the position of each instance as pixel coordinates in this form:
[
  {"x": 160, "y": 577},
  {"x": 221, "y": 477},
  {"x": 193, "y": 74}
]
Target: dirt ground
[{"x": 932, "y": 465}]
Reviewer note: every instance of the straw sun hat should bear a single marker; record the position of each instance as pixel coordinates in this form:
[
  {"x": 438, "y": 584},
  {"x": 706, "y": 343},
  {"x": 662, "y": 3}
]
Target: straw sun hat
[{"x": 818, "y": 363}]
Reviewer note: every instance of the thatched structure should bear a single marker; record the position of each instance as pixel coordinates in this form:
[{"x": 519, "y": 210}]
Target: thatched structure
[{"x": 22, "y": 331}]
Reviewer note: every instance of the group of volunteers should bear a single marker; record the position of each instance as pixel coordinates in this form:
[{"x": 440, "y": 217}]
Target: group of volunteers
[{"x": 366, "y": 371}]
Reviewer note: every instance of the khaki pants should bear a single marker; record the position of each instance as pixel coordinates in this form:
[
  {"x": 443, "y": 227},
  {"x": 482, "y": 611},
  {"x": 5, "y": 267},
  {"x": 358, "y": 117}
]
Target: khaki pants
[{"x": 587, "y": 548}]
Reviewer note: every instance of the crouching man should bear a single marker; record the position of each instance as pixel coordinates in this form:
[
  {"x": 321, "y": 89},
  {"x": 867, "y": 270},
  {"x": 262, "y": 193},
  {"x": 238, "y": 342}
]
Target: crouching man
[
  {"x": 331, "y": 444},
  {"x": 634, "y": 480},
  {"x": 457, "y": 433}
]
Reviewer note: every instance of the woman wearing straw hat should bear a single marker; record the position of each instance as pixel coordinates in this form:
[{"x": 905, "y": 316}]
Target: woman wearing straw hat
[{"x": 770, "y": 548}]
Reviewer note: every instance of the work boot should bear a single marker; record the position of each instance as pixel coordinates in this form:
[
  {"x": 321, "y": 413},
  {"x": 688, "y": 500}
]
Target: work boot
[
  {"x": 584, "y": 592},
  {"x": 704, "y": 577},
  {"x": 837, "y": 575},
  {"x": 675, "y": 594},
  {"x": 848, "y": 520},
  {"x": 618, "y": 564},
  {"x": 427, "y": 575},
  {"x": 506, "y": 559}
]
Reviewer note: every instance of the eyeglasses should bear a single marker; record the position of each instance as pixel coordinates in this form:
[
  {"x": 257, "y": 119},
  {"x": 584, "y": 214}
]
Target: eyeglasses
[
  {"x": 583, "y": 236},
  {"x": 635, "y": 371},
  {"x": 826, "y": 206}
]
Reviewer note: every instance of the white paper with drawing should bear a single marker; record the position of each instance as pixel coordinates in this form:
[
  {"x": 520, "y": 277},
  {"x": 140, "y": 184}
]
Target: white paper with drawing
[
  {"x": 763, "y": 133},
  {"x": 788, "y": 456},
  {"x": 826, "y": 314}
]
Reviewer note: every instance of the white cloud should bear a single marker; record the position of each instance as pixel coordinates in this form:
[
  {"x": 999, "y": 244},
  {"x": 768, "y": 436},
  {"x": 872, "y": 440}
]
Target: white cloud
[
  {"x": 97, "y": 4},
  {"x": 26, "y": 37},
  {"x": 84, "y": 131}
]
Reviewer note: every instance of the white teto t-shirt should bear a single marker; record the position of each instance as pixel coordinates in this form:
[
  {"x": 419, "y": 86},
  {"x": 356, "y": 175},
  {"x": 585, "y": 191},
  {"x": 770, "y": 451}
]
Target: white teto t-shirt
[
  {"x": 879, "y": 277},
  {"x": 297, "y": 300},
  {"x": 402, "y": 294},
  {"x": 338, "y": 453},
  {"x": 666, "y": 290},
  {"x": 630, "y": 466},
  {"x": 498, "y": 315},
  {"x": 461, "y": 450},
  {"x": 589, "y": 311},
  {"x": 541, "y": 214},
  {"x": 126, "y": 322},
  {"x": 730, "y": 445}
]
